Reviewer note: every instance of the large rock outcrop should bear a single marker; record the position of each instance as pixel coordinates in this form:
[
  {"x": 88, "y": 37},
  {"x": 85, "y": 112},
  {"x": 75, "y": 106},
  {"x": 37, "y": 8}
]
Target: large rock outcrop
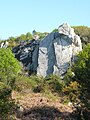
[
  {"x": 27, "y": 54},
  {"x": 52, "y": 55},
  {"x": 57, "y": 51}
]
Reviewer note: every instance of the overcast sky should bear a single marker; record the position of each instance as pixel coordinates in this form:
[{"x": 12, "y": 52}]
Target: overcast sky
[{"x": 22, "y": 16}]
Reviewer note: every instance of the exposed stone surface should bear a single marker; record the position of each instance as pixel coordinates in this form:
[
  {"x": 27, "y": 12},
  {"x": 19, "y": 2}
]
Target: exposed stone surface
[
  {"x": 27, "y": 53},
  {"x": 4, "y": 44},
  {"x": 52, "y": 55},
  {"x": 57, "y": 51}
]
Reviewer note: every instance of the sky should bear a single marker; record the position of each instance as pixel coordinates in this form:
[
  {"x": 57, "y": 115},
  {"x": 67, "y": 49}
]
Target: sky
[{"x": 21, "y": 16}]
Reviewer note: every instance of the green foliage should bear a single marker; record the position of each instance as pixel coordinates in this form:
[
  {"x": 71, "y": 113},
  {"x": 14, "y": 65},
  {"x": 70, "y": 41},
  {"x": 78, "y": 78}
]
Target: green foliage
[
  {"x": 68, "y": 77},
  {"x": 6, "y": 103},
  {"x": 83, "y": 32},
  {"x": 9, "y": 66},
  {"x": 13, "y": 41},
  {"x": 23, "y": 83},
  {"x": 54, "y": 83},
  {"x": 29, "y": 84},
  {"x": 82, "y": 67},
  {"x": 78, "y": 90},
  {"x": 27, "y": 36},
  {"x": 72, "y": 91},
  {"x": 5, "y": 91},
  {"x": 82, "y": 75}
]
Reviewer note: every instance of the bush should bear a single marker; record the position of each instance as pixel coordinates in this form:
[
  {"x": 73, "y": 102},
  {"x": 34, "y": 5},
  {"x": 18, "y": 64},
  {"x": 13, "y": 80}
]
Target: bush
[
  {"x": 68, "y": 77},
  {"x": 9, "y": 69},
  {"x": 73, "y": 91},
  {"x": 26, "y": 84},
  {"x": 9, "y": 66},
  {"x": 5, "y": 91},
  {"x": 23, "y": 82},
  {"x": 82, "y": 68},
  {"x": 6, "y": 103},
  {"x": 54, "y": 83}
]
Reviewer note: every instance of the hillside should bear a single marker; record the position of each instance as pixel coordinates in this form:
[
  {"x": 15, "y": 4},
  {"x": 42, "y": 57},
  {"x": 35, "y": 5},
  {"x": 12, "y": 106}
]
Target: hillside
[
  {"x": 53, "y": 97},
  {"x": 36, "y": 106}
]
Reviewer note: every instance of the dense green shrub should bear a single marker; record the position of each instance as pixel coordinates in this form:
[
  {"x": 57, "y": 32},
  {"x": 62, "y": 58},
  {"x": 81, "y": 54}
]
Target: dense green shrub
[
  {"x": 82, "y": 75},
  {"x": 54, "y": 83},
  {"x": 9, "y": 66},
  {"x": 51, "y": 84},
  {"x": 82, "y": 68},
  {"x": 68, "y": 76},
  {"x": 6, "y": 103},
  {"x": 5, "y": 91},
  {"x": 9, "y": 69},
  {"x": 73, "y": 91}
]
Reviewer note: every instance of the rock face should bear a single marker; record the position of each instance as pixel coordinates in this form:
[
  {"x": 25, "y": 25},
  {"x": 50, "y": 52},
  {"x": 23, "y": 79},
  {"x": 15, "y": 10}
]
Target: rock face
[
  {"x": 27, "y": 54},
  {"x": 57, "y": 51},
  {"x": 52, "y": 55},
  {"x": 4, "y": 44}
]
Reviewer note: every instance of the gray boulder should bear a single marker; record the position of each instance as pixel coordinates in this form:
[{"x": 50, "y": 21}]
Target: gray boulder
[{"x": 57, "y": 51}]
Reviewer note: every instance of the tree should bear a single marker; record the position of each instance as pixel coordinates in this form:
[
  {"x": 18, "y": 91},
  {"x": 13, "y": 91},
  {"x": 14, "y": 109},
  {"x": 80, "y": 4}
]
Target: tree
[
  {"x": 29, "y": 36},
  {"x": 23, "y": 37},
  {"x": 11, "y": 38},
  {"x": 83, "y": 32},
  {"x": 9, "y": 66}
]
